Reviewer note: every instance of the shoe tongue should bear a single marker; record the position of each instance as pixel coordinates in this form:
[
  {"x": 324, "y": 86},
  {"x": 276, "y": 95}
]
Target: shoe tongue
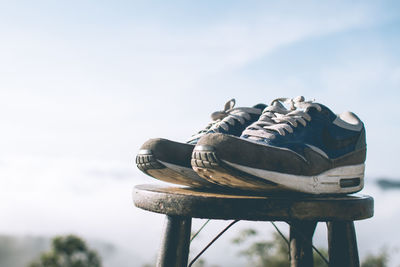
[
  {"x": 260, "y": 106},
  {"x": 279, "y": 104}
]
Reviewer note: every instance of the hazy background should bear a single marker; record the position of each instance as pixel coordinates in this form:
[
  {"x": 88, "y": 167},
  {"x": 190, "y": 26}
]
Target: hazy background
[{"x": 84, "y": 83}]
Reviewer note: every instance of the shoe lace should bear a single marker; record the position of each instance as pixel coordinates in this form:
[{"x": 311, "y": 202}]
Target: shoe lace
[
  {"x": 278, "y": 118},
  {"x": 227, "y": 117}
]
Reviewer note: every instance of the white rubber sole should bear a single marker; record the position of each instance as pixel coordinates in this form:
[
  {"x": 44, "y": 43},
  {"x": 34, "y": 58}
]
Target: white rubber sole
[{"x": 341, "y": 180}]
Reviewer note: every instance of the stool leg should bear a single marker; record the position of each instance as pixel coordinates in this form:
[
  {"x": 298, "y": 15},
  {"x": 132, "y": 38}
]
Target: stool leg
[
  {"x": 342, "y": 245},
  {"x": 174, "y": 251},
  {"x": 301, "y": 234}
]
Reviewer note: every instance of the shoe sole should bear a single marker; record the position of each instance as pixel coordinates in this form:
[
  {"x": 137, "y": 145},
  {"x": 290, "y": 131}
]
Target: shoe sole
[
  {"x": 207, "y": 165},
  {"x": 341, "y": 180},
  {"x": 167, "y": 172}
]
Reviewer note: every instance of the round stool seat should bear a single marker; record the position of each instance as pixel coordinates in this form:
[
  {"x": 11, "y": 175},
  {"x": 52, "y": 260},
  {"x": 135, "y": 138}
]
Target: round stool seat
[{"x": 239, "y": 205}]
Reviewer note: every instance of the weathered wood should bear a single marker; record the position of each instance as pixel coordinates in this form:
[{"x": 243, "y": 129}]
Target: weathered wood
[
  {"x": 342, "y": 245},
  {"x": 174, "y": 251},
  {"x": 301, "y": 233},
  {"x": 239, "y": 205}
]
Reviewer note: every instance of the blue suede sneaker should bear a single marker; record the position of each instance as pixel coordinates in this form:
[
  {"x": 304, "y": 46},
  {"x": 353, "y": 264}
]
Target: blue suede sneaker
[
  {"x": 304, "y": 147},
  {"x": 169, "y": 161}
]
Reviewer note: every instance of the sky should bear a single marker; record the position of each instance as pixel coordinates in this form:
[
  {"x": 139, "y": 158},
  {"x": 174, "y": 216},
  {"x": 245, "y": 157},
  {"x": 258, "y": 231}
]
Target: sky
[{"x": 84, "y": 83}]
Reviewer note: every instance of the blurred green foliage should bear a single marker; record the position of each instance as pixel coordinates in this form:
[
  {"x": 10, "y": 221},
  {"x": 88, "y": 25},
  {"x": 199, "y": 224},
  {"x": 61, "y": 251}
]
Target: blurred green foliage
[
  {"x": 68, "y": 251},
  {"x": 271, "y": 253},
  {"x": 379, "y": 260},
  {"x": 275, "y": 252}
]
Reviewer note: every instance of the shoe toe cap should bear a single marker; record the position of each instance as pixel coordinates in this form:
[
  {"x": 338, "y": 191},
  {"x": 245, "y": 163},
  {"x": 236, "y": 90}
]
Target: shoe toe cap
[{"x": 168, "y": 151}]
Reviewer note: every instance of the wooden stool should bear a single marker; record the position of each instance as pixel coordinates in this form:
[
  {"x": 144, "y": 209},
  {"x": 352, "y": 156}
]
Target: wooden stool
[{"x": 302, "y": 213}]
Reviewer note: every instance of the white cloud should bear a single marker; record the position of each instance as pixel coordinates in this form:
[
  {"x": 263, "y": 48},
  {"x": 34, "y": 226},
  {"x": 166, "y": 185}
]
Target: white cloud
[{"x": 80, "y": 90}]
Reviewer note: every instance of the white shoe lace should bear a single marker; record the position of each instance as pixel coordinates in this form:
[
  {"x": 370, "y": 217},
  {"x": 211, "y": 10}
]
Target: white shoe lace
[
  {"x": 227, "y": 117},
  {"x": 277, "y": 118}
]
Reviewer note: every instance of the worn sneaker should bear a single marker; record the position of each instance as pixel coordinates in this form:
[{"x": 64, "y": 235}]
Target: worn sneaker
[
  {"x": 304, "y": 148},
  {"x": 169, "y": 161}
]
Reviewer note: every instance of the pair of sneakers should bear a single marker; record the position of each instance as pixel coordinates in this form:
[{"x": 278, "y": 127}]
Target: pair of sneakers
[{"x": 292, "y": 144}]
